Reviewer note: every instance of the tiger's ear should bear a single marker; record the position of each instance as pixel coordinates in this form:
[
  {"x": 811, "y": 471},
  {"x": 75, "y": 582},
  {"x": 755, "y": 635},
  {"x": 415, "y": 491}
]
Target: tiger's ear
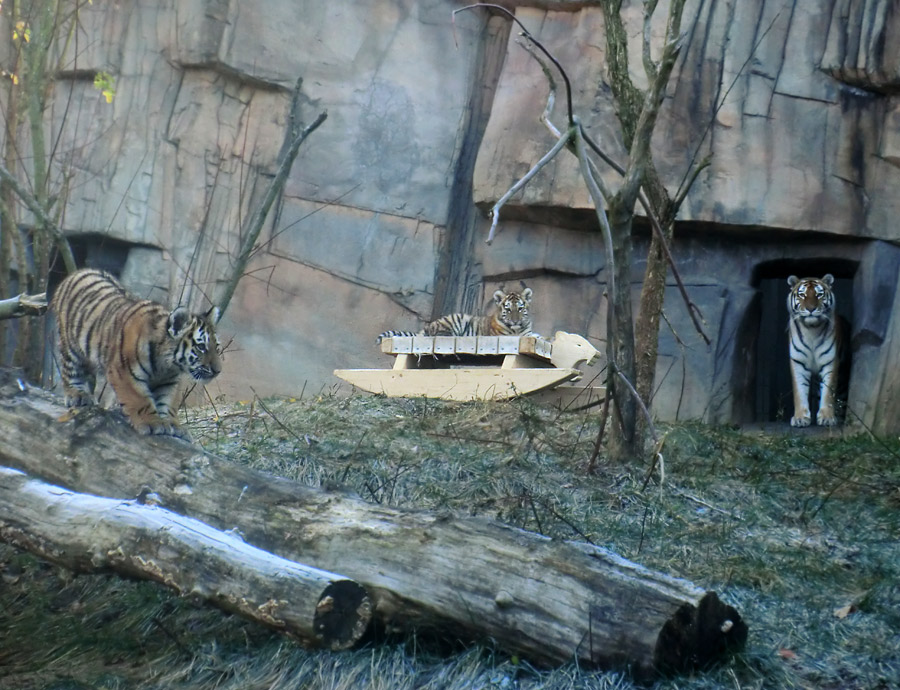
[
  {"x": 212, "y": 315},
  {"x": 526, "y": 295},
  {"x": 498, "y": 296},
  {"x": 793, "y": 280},
  {"x": 828, "y": 279},
  {"x": 177, "y": 322}
]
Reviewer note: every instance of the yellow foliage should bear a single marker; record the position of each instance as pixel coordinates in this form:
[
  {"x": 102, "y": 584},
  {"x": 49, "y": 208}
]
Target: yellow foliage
[
  {"x": 22, "y": 30},
  {"x": 103, "y": 81}
]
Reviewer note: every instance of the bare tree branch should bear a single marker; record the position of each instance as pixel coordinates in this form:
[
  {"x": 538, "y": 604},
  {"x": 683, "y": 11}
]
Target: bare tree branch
[
  {"x": 640, "y": 403},
  {"x": 550, "y": 155},
  {"x": 640, "y": 147},
  {"x": 693, "y": 310},
  {"x": 503, "y": 10},
  {"x": 649, "y": 66},
  {"x": 639, "y": 111},
  {"x": 691, "y": 178},
  {"x": 258, "y": 217},
  {"x": 23, "y": 305},
  {"x": 599, "y": 206},
  {"x": 41, "y": 214}
]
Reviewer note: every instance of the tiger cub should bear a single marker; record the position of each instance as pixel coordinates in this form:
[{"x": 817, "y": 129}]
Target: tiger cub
[
  {"x": 816, "y": 347},
  {"x": 141, "y": 347},
  {"x": 510, "y": 315}
]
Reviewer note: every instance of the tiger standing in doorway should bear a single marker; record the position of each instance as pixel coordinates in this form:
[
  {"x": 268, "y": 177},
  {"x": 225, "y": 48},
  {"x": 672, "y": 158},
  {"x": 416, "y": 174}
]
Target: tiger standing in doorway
[{"x": 816, "y": 347}]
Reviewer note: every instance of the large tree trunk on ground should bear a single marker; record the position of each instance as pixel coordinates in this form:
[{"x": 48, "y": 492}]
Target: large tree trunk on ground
[
  {"x": 550, "y": 602},
  {"x": 91, "y": 533}
]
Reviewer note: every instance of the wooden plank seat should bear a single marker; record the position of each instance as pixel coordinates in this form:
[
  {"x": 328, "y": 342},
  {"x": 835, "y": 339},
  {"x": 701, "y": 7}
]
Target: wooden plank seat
[{"x": 466, "y": 368}]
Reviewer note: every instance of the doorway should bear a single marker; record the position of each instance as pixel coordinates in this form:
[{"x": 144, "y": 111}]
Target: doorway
[{"x": 773, "y": 392}]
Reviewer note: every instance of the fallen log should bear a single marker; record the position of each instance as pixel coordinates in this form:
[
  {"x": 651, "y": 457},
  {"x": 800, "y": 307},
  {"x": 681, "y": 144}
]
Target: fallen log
[
  {"x": 88, "y": 533},
  {"x": 548, "y": 601}
]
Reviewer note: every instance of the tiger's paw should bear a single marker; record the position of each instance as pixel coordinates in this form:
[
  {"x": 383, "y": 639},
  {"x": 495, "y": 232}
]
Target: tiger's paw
[
  {"x": 826, "y": 419},
  {"x": 162, "y": 427},
  {"x": 801, "y": 421},
  {"x": 79, "y": 399}
]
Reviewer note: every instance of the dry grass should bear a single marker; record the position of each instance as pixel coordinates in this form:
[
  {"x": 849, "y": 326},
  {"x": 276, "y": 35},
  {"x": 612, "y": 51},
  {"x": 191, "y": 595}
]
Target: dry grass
[{"x": 790, "y": 529}]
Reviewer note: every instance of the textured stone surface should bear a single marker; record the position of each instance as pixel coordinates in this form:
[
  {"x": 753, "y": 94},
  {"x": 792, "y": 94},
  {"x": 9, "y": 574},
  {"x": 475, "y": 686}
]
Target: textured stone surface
[
  {"x": 377, "y": 225},
  {"x": 796, "y": 143},
  {"x": 386, "y": 252}
]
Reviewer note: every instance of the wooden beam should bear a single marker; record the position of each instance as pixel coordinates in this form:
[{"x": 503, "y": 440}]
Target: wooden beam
[{"x": 475, "y": 383}]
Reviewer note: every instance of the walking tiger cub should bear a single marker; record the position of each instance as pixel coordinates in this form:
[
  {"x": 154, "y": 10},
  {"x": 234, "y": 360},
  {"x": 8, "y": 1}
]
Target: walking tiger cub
[
  {"x": 510, "y": 315},
  {"x": 141, "y": 347},
  {"x": 816, "y": 347}
]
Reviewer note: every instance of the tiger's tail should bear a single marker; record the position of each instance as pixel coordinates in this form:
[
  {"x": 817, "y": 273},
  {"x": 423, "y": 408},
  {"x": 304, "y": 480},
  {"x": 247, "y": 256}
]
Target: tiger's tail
[{"x": 395, "y": 334}]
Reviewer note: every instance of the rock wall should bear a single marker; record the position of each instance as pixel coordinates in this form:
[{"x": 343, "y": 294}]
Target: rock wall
[{"x": 431, "y": 119}]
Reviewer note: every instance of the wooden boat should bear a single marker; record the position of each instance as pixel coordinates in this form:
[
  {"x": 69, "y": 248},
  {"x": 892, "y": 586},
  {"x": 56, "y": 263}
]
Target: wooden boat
[{"x": 478, "y": 367}]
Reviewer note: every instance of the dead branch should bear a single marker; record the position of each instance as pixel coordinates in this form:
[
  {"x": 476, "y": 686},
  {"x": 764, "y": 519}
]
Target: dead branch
[
  {"x": 41, "y": 214},
  {"x": 599, "y": 200},
  {"x": 693, "y": 310},
  {"x": 294, "y": 137},
  {"x": 640, "y": 146},
  {"x": 23, "y": 305},
  {"x": 550, "y": 155}
]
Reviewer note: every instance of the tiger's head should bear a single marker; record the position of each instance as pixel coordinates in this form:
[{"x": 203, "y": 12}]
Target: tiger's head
[
  {"x": 196, "y": 348},
  {"x": 512, "y": 310},
  {"x": 811, "y": 300}
]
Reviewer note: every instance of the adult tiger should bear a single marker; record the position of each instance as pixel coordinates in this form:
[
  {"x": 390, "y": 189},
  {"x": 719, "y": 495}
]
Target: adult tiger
[
  {"x": 141, "y": 347},
  {"x": 816, "y": 347},
  {"x": 510, "y": 315}
]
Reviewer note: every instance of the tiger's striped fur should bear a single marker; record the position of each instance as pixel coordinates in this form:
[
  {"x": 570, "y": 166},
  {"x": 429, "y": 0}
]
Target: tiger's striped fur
[
  {"x": 816, "y": 347},
  {"x": 141, "y": 347},
  {"x": 510, "y": 316}
]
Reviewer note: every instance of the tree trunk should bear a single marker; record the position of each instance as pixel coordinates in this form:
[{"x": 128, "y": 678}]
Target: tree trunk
[
  {"x": 90, "y": 534},
  {"x": 465, "y": 578},
  {"x": 646, "y": 327},
  {"x": 624, "y": 443}
]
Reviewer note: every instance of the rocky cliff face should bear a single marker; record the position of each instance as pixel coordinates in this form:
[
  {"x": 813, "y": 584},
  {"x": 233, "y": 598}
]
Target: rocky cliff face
[
  {"x": 793, "y": 100},
  {"x": 431, "y": 119}
]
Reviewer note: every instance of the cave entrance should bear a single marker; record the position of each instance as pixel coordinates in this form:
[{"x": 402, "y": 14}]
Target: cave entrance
[{"x": 772, "y": 386}]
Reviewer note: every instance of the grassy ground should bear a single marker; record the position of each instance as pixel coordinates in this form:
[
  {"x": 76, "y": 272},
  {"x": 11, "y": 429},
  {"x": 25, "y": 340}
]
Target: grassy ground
[{"x": 801, "y": 533}]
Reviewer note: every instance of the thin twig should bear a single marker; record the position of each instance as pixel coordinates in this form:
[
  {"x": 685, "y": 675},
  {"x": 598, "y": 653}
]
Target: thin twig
[
  {"x": 41, "y": 214},
  {"x": 537, "y": 519},
  {"x": 649, "y": 66},
  {"x": 527, "y": 34},
  {"x": 599, "y": 207},
  {"x": 495, "y": 211},
  {"x": 566, "y": 521},
  {"x": 604, "y": 415},
  {"x": 275, "y": 418},
  {"x": 693, "y": 310},
  {"x": 683, "y": 192},
  {"x": 325, "y": 204},
  {"x": 721, "y": 104},
  {"x": 640, "y": 403},
  {"x": 657, "y": 460},
  {"x": 258, "y": 218}
]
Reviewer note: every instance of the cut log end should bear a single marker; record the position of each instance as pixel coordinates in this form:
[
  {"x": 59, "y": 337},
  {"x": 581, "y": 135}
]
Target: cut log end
[
  {"x": 342, "y": 615},
  {"x": 695, "y": 636}
]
